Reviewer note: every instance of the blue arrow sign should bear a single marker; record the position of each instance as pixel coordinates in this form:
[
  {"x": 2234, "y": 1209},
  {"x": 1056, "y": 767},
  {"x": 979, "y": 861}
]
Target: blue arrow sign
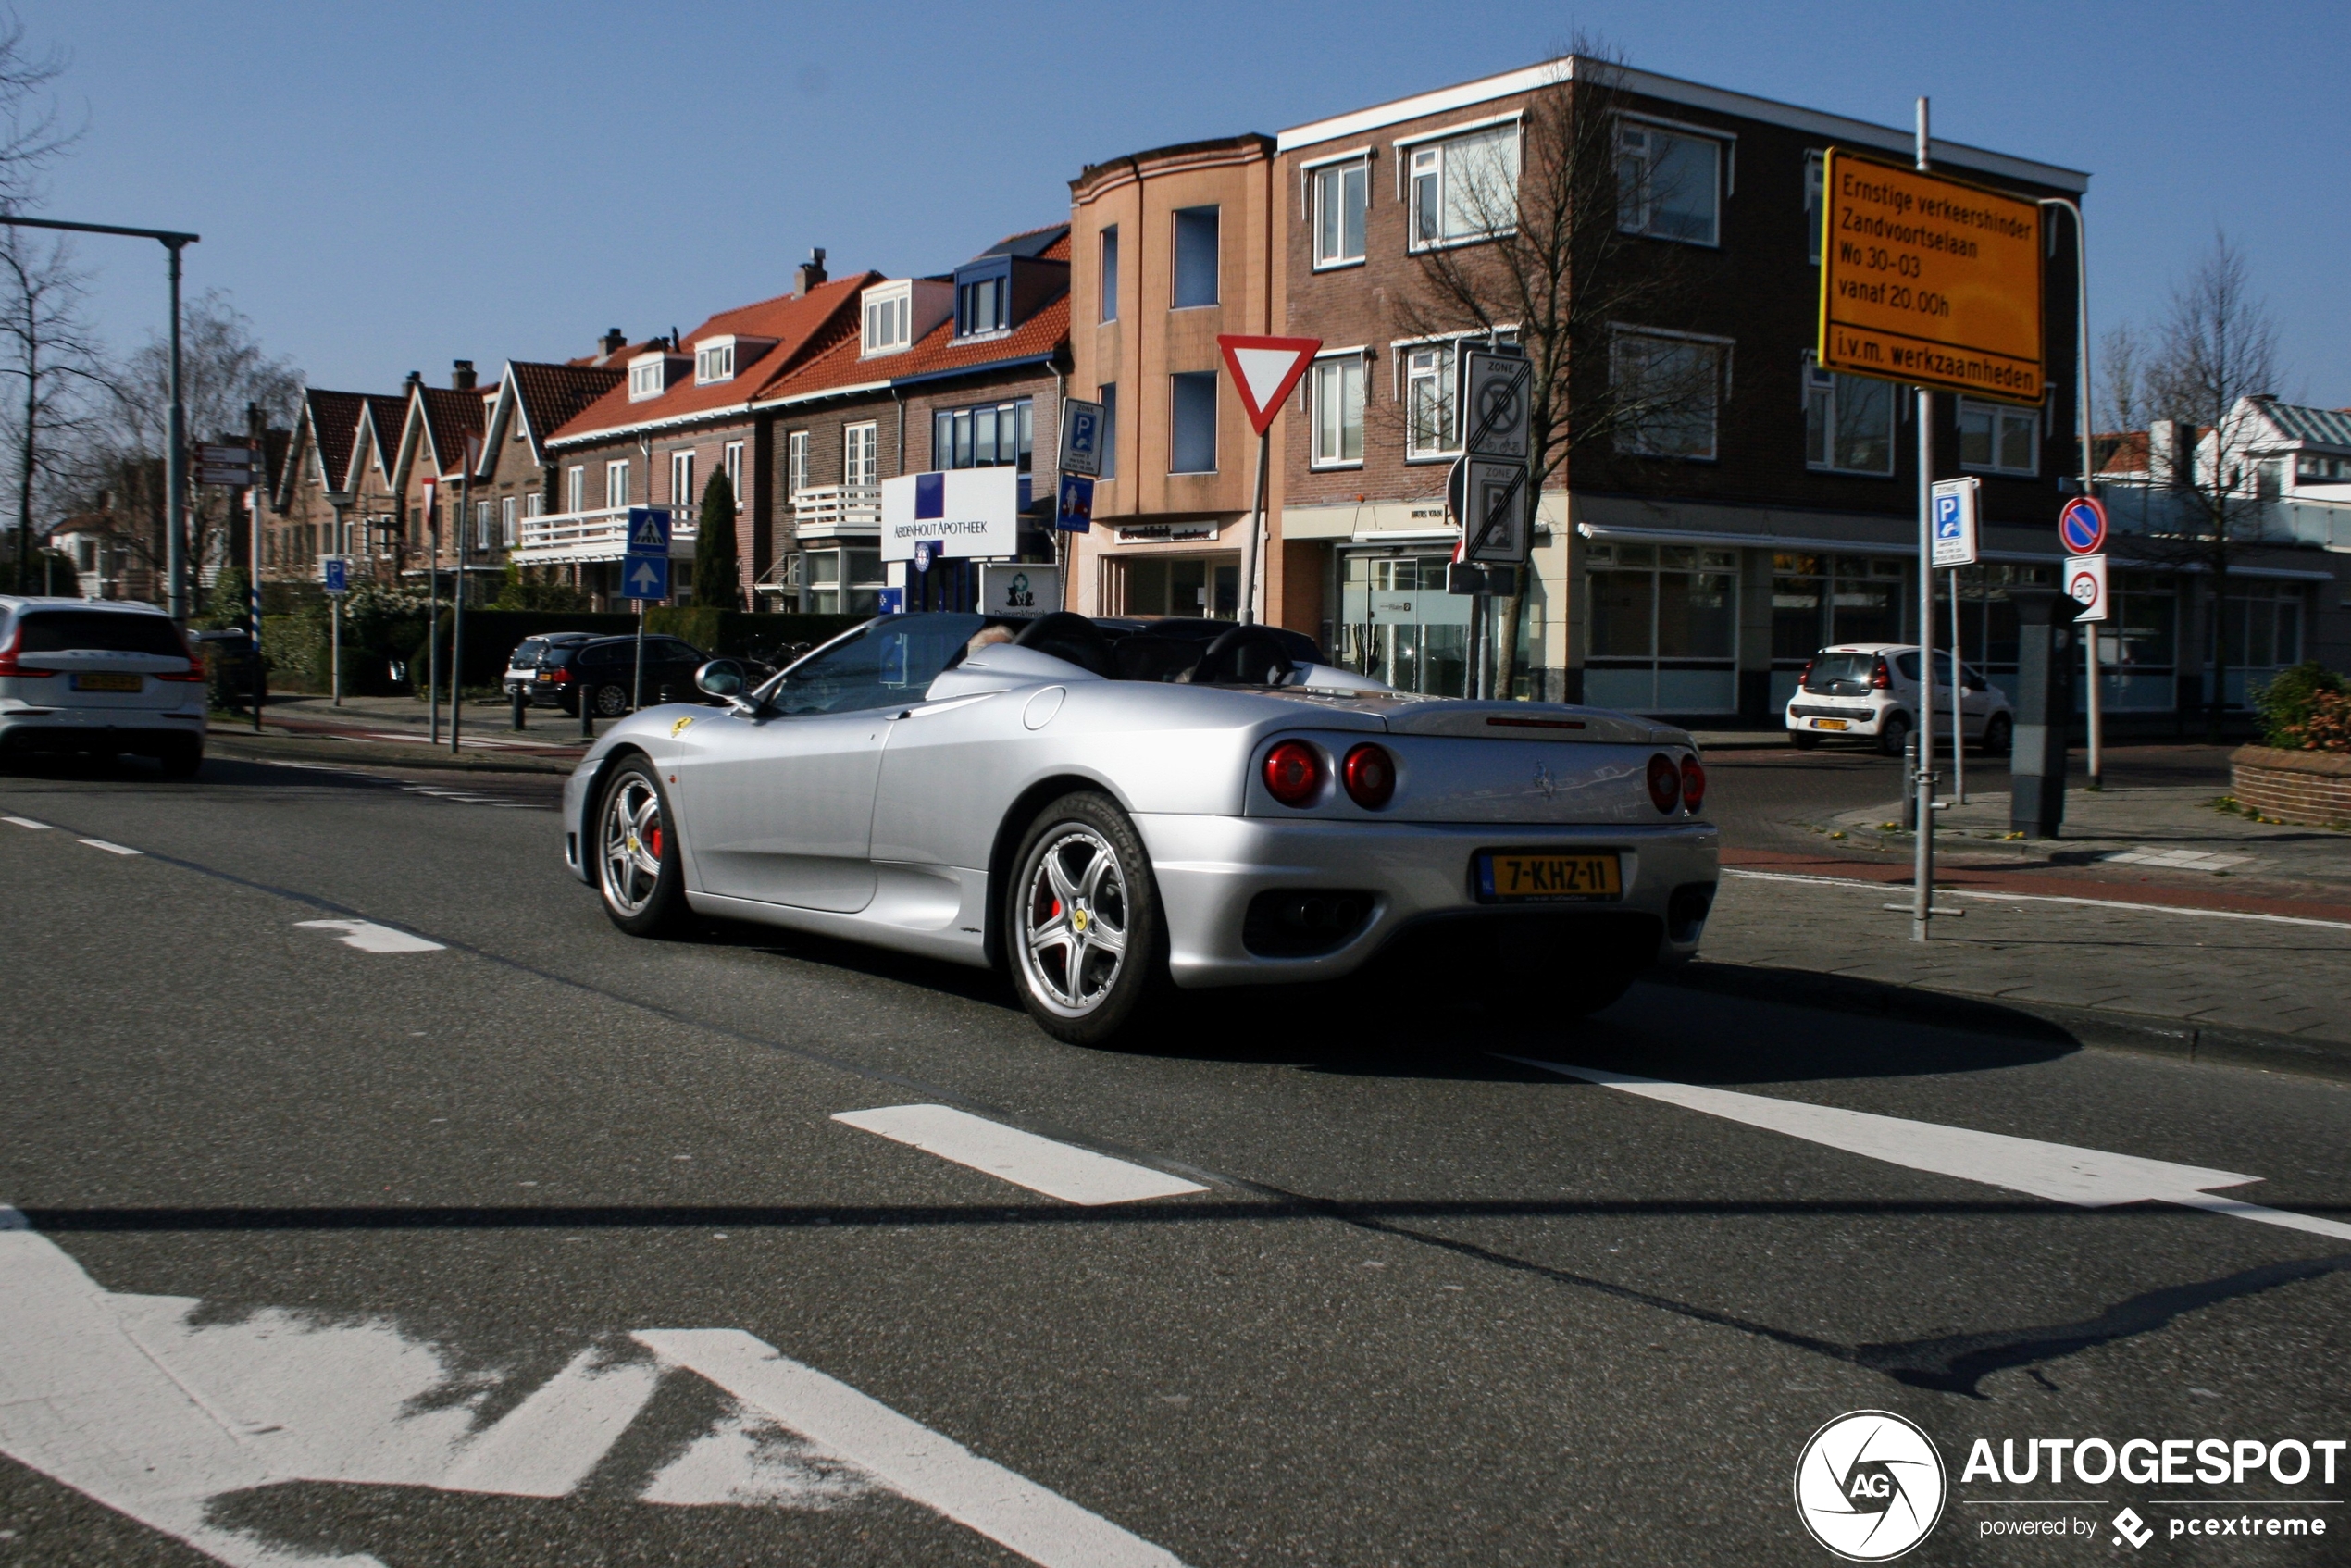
[{"x": 645, "y": 577}]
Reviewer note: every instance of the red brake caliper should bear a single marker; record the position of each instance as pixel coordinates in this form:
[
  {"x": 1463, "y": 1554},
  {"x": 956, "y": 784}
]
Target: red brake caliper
[{"x": 654, "y": 839}]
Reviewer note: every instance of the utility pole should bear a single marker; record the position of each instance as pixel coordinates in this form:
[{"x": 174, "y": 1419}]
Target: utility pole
[
  {"x": 457, "y": 627},
  {"x": 1922, "y": 865}
]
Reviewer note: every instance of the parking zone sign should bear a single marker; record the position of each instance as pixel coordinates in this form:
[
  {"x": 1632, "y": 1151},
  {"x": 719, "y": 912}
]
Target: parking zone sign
[
  {"x": 2085, "y": 585},
  {"x": 1954, "y": 515}
]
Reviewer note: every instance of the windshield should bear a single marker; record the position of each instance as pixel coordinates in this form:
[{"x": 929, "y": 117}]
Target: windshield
[
  {"x": 884, "y": 662},
  {"x": 98, "y": 631}
]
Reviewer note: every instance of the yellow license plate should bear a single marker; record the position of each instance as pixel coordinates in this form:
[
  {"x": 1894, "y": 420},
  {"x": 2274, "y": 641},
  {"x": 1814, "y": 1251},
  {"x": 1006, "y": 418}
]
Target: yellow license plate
[
  {"x": 1828, "y": 724},
  {"x": 105, "y": 682},
  {"x": 1507, "y": 876}
]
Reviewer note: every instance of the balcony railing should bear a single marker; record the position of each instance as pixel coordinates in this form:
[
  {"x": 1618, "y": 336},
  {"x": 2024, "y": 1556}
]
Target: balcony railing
[
  {"x": 833, "y": 511},
  {"x": 600, "y": 535}
]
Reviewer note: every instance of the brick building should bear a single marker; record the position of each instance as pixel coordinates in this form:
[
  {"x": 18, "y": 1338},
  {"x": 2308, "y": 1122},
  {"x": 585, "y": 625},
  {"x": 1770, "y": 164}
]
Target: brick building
[
  {"x": 684, "y": 412},
  {"x": 1686, "y": 571},
  {"x": 516, "y": 482},
  {"x": 960, "y": 371},
  {"x": 310, "y": 503},
  {"x": 1168, "y": 249}
]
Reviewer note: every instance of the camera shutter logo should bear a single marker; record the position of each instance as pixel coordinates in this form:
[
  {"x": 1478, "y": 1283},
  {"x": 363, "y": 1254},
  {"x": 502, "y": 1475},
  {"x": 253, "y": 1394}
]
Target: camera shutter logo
[{"x": 1869, "y": 1486}]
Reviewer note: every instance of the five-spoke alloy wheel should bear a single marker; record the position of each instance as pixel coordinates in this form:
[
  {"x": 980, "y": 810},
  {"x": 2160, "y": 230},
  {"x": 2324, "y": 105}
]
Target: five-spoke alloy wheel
[
  {"x": 1083, "y": 921},
  {"x": 637, "y": 867}
]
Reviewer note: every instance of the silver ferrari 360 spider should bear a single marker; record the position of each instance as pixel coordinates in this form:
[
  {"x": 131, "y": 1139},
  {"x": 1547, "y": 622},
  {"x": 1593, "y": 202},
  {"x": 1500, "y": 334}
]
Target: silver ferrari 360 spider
[{"x": 1104, "y": 808}]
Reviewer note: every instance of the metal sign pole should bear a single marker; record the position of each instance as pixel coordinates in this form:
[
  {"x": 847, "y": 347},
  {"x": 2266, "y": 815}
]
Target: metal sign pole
[
  {"x": 1256, "y": 525},
  {"x": 176, "y": 464},
  {"x": 1958, "y": 701},
  {"x": 457, "y": 623},
  {"x": 432, "y": 615},
  {"x": 252, "y": 595},
  {"x": 1923, "y": 866},
  {"x": 334, "y": 646}
]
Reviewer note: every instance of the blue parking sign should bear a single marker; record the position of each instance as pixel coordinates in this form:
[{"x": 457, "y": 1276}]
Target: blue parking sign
[
  {"x": 337, "y": 574},
  {"x": 1951, "y": 511}
]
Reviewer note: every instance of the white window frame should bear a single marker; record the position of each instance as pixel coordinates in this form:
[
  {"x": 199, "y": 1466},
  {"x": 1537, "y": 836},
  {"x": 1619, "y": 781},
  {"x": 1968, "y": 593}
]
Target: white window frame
[
  {"x": 732, "y": 460},
  {"x": 507, "y": 532},
  {"x": 1828, "y": 383},
  {"x": 861, "y": 453},
  {"x": 1424, "y": 156},
  {"x": 534, "y": 504},
  {"x": 617, "y": 482},
  {"x": 796, "y": 463},
  {"x": 1628, "y": 441},
  {"x": 647, "y": 378},
  {"x": 1313, "y": 192},
  {"x": 576, "y": 489},
  {"x": 2000, "y": 414},
  {"x": 1629, "y": 126},
  {"x": 681, "y": 480},
  {"x": 889, "y": 319},
  {"x": 1339, "y": 361},
  {"x": 714, "y": 361},
  {"x": 481, "y": 528}
]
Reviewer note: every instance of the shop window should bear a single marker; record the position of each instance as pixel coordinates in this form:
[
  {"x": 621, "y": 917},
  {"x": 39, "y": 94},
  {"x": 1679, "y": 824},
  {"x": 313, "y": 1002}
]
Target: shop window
[{"x": 1661, "y": 627}]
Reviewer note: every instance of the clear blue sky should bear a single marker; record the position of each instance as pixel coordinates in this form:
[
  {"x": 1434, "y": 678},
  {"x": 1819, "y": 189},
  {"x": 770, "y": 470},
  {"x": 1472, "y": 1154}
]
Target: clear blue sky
[{"x": 384, "y": 188}]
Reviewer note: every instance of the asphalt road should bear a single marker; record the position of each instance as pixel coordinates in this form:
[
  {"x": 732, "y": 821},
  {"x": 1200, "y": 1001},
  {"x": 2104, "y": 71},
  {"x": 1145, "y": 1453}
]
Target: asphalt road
[{"x": 543, "y": 1246}]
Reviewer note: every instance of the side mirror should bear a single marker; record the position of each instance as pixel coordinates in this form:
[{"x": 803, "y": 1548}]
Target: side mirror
[{"x": 725, "y": 679}]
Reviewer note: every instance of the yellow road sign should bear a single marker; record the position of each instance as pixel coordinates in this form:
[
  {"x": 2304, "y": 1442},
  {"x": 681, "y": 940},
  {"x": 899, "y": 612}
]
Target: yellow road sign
[{"x": 1929, "y": 281}]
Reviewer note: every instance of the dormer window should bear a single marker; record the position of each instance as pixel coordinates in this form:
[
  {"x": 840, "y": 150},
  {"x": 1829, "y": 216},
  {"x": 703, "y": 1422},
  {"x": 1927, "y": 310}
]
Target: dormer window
[
  {"x": 714, "y": 361},
  {"x": 889, "y": 318},
  {"x": 650, "y": 375}
]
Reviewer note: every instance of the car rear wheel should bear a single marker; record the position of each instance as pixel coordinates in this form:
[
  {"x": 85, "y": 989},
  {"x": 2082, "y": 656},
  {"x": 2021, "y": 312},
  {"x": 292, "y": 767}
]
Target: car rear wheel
[
  {"x": 637, "y": 858},
  {"x": 1893, "y": 735},
  {"x": 1082, "y": 920},
  {"x": 1803, "y": 741},
  {"x": 611, "y": 701},
  {"x": 181, "y": 760},
  {"x": 1998, "y": 736}
]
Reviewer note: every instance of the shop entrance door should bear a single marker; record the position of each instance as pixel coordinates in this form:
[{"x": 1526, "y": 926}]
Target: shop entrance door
[{"x": 1399, "y": 625}]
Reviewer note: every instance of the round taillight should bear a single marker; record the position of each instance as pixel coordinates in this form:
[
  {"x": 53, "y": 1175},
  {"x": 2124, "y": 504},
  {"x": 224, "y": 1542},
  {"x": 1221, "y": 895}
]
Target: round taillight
[
  {"x": 1294, "y": 773},
  {"x": 1693, "y": 784},
  {"x": 1665, "y": 783},
  {"x": 1370, "y": 775}
]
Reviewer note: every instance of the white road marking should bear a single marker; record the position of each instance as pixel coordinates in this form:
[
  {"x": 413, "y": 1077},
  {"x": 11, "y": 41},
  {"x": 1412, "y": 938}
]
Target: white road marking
[
  {"x": 28, "y": 822},
  {"x": 368, "y": 936},
  {"x": 908, "y": 1457},
  {"x": 133, "y": 1401},
  {"x": 547, "y": 1444},
  {"x": 1057, "y": 1170},
  {"x": 109, "y": 848},
  {"x": 2042, "y": 898},
  {"x": 2091, "y": 1179}
]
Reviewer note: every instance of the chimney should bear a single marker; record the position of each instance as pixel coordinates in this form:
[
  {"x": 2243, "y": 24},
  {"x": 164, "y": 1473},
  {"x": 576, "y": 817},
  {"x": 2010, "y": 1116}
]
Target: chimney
[
  {"x": 460, "y": 374},
  {"x": 809, "y": 273},
  {"x": 416, "y": 379},
  {"x": 614, "y": 340}
]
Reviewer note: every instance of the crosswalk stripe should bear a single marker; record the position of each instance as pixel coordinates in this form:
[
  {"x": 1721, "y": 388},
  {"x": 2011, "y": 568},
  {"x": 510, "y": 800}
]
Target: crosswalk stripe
[
  {"x": 1041, "y": 1165},
  {"x": 28, "y": 822}
]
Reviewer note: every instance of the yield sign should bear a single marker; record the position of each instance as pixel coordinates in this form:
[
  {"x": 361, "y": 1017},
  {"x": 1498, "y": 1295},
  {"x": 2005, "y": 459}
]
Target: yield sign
[{"x": 1265, "y": 369}]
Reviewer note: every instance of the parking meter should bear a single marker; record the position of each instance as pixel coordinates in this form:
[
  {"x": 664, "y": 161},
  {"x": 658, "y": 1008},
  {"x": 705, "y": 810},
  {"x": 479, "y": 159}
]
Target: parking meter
[{"x": 2044, "y": 703}]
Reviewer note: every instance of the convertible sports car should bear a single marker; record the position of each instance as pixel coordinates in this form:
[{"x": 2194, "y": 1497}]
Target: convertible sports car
[{"x": 1103, "y": 809}]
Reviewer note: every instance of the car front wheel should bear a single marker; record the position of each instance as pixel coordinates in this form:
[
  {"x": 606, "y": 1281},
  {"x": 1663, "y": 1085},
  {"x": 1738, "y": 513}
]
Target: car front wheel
[
  {"x": 611, "y": 700},
  {"x": 1082, "y": 922},
  {"x": 638, "y": 869}
]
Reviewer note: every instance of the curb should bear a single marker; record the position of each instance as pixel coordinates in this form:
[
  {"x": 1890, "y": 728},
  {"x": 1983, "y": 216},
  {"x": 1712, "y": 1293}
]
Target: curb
[
  {"x": 2180, "y": 1039},
  {"x": 376, "y": 755}
]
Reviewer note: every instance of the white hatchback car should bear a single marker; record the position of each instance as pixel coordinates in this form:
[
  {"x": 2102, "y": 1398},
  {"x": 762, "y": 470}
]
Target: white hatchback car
[
  {"x": 100, "y": 677},
  {"x": 1870, "y": 691}
]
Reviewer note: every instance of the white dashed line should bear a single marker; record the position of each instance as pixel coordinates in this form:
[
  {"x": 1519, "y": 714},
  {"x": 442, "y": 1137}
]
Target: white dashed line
[
  {"x": 368, "y": 936},
  {"x": 1057, "y": 1170},
  {"x": 110, "y": 849},
  {"x": 2089, "y": 1178},
  {"x": 28, "y": 822}
]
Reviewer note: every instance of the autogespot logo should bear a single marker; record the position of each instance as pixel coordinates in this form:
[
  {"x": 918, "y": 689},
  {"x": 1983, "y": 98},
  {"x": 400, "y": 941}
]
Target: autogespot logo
[{"x": 1869, "y": 1486}]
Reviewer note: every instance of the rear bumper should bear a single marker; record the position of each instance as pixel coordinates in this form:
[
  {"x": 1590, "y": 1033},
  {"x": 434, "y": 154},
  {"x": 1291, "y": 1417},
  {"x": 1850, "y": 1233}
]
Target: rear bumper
[
  {"x": 148, "y": 731},
  {"x": 1416, "y": 874}
]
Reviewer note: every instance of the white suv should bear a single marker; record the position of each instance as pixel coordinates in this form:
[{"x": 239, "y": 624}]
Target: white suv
[
  {"x": 1870, "y": 691},
  {"x": 102, "y": 676}
]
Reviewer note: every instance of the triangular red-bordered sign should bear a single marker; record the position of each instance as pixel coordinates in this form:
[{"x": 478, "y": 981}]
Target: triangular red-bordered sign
[{"x": 1263, "y": 371}]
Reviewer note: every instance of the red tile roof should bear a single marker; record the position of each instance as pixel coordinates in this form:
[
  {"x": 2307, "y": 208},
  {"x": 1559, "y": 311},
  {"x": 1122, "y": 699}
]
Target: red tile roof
[
  {"x": 2122, "y": 451},
  {"x": 801, "y": 325},
  {"x": 551, "y": 394},
  {"x": 843, "y": 366},
  {"x": 381, "y": 420},
  {"x": 332, "y": 419},
  {"x": 451, "y": 414}
]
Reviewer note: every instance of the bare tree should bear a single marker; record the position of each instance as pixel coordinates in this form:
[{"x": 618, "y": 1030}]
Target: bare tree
[
  {"x": 1555, "y": 261},
  {"x": 2123, "y": 375},
  {"x": 55, "y": 359},
  {"x": 223, "y": 369},
  {"x": 33, "y": 134},
  {"x": 2216, "y": 349}
]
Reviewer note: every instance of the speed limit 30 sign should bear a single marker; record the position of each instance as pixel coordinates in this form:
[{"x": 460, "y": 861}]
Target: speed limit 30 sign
[{"x": 2085, "y": 585}]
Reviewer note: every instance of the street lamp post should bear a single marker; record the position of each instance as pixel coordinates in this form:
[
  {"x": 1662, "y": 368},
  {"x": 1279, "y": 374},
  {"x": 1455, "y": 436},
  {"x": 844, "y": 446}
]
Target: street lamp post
[{"x": 175, "y": 456}]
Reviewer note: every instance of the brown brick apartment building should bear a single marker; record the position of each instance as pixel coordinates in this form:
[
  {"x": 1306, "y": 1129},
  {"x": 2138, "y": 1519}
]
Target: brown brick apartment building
[
  {"x": 1686, "y": 571},
  {"x": 1168, "y": 249}
]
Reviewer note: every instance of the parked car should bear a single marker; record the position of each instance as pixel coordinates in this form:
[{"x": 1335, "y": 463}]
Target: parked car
[
  {"x": 1103, "y": 811},
  {"x": 1869, "y": 691},
  {"x": 522, "y": 665},
  {"x": 99, "y": 677},
  {"x": 605, "y": 667}
]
